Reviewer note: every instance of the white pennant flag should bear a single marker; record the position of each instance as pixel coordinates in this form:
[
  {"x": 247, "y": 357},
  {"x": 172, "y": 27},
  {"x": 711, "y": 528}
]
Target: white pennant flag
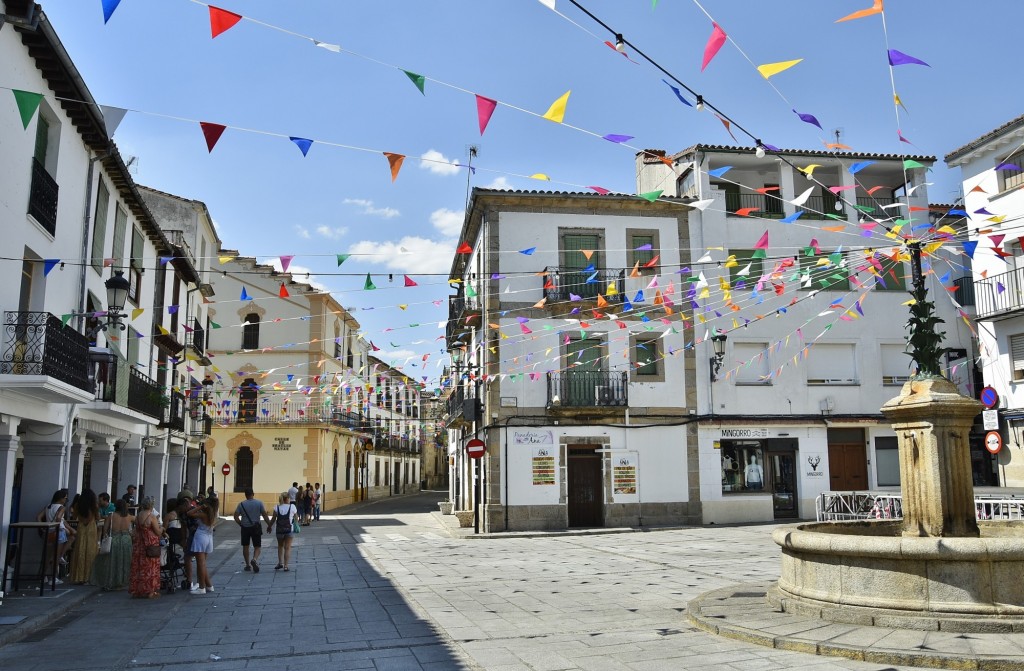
[{"x": 802, "y": 198}]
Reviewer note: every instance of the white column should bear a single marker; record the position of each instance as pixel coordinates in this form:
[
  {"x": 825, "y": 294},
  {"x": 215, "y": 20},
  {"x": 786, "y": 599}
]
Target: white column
[
  {"x": 192, "y": 466},
  {"x": 156, "y": 473},
  {"x": 102, "y": 471},
  {"x": 175, "y": 470},
  {"x": 850, "y": 196},
  {"x": 76, "y": 462},
  {"x": 788, "y": 188},
  {"x": 129, "y": 466},
  {"x": 8, "y": 455},
  {"x": 42, "y": 471}
]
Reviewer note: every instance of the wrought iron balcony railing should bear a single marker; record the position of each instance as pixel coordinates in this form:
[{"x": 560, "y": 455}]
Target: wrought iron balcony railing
[
  {"x": 586, "y": 389},
  {"x": 876, "y": 205},
  {"x": 42, "y": 200},
  {"x": 767, "y": 206},
  {"x": 197, "y": 339},
  {"x": 37, "y": 343},
  {"x": 1001, "y": 294},
  {"x": 563, "y": 284},
  {"x": 267, "y": 411},
  {"x": 116, "y": 381},
  {"x": 174, "y": 413},
  {"x": 964, "y": 294}
]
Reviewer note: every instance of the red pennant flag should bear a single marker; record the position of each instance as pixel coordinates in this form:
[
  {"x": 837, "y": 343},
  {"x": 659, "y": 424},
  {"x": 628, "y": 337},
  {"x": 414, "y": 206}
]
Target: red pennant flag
[
  {"x": 409, "y": 282},
  {"x": 464, "y": 248},
  {"x": 484, "y": 110},
  {"x": 653, "y": 262},
  {"x": 395, "y": 161},
  {"x": 283, "y": 293},
  {"x": 212, "y": 133},
  {"x": 221, "y": 20}
]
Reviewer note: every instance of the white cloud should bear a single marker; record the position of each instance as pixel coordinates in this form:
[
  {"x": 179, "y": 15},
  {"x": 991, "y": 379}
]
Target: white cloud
[
  {"x": 435, "y": 162},
  {"x": 449, "y": 222},
  {"x": 499, "y": 183},
  {"x": 369, "y": 208},
  {"x": 396, "y": 355},
  {"x": 332, "y": 233},
  {"x": 422, "y": 255},
  {"x": 302, "y": 232}
]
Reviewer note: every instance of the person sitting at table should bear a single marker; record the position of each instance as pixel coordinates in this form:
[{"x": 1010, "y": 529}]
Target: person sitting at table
[{"x": 107, "y": 506}]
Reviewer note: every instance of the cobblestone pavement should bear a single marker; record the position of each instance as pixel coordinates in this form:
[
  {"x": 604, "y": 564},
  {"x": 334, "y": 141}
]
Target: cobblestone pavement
[{"x": 383, "y": 586}]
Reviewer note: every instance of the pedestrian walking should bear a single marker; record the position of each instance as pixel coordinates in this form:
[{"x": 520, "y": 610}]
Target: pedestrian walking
[
  {"x": 284, "y": 523},
  {"x": 293, "y": 492},
  {"x": 307, "y": 505},
  {"x": 144, "y": 582},
  {"x": 202, "y": 542},
  {"x": 247, "y": 516},
  {"x": 63, "y": 536}
]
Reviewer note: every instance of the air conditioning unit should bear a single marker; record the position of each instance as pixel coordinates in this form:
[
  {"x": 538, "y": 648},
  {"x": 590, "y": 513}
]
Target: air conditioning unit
[{"x": 604, "y": 395}]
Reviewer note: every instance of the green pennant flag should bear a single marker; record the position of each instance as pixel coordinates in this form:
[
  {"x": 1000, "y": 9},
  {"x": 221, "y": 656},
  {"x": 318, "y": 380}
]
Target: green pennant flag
[
  {"x": 369, "y": 283},
  {"x": 759, "y": 254},
  {"x": 28, "y": 103},
  {"x": 808, "y": 251},
  {"x": 835, "y": 216},
  {"x": 66, "y": 318},
  {"x": 865, "y": 208},
  {"x": 911, "y": 163},
  {"x": 650, "y": 196},
  {"x": 342, "y": 258},
  {"x": 416, "y": 79},
  {"x": 470, "y": 293},
  {"x": 214, "y": 325}
]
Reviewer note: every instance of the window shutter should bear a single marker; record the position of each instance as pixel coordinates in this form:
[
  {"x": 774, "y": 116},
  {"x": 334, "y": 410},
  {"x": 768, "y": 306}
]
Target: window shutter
[
  {"x": 752, "y": 358},
  {"x": 1017, "y": 354},
  {"x": 99, "y": 226},
  {"x": 42, "y": 138},
  {"x": 895, "y": 365},
  {"x": 832, "y": 363},
  {"x": 120, "y": 229}
]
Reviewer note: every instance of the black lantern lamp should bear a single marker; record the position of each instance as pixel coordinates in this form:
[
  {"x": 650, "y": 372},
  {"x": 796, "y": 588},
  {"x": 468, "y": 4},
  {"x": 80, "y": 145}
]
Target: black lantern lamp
[{"x": 718, "y": 342}]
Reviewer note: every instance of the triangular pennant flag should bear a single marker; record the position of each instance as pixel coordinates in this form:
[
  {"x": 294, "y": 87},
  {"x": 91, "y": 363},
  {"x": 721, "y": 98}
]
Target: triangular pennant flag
[
  {"x": 28, "y": 103},
  {"x": 221, "y": 20},
  {"x": 212, "y": 133},
  {"x": 808, "y": 118},
  {"x": 911, "y": 163},
  {"x": 771, "y": 69},
  {"x": 860, "y": 14},
  {"x": 214, "y": 325},
  {"x": 763, "y": 242},
  {"x": 108, "y": 9},
  {"x": 679, "y": 95},
  {"x": 395, "y": 161},
  {"x": 900, "y": 58},
  {"x": 369, "y": 283},
  {"x": 409, "y": 282},
  {"x": 285, "y": 262},
  {"x": 587, "y": 253},
  {"x": 342, "y": 258},
  {"x": 112, "y": 117},
  {"x": 484, "y": 110},
  {"x": 728, "y": 126},
  {"x": 66, "y": 318},
  {"x": 244, "y": 296},
  {"x": 136, "y": 312},
  {"x": 715, "y": 43},
  {"x": 651, "y": 196},
  {"x": 556, "y": 112},
  {"x": 418, "y": 80},
  {"x": 302, "y": 143},
  {"x": 48, "y": 265},
  {"x": 283, "y": 293},
  {"x": 464, "y": 248},
  {"x": 329, "y": 47}
]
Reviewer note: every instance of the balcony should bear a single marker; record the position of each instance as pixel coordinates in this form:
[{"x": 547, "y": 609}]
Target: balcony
[
  {"x": 196, "y": 341},
  {"x": 588, "y": 389},
  {"x": 999, "y": 295},
  {"x": 564, "y": 284},
  {"x": 45, "y": 359},
  {"x": 118, "y": 383},
  {"x": 174, "y": 413},
  {"x": 766, "y": 206},
  {"x": 964, "y": 294},
  {"x": 267, "y": 411},
  {"x": 42, "y": 200},
  {"x": 873, "y": 206}
]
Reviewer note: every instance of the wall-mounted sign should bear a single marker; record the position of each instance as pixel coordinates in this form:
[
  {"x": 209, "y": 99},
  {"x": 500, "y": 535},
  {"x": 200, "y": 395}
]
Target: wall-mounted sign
[
  {"x": 623, "y": 475},
  {"x": 989, "y": 397},
  {"x": 509, "y": 401},
  {"x": 543, "y": 464},
  {"x": 744, "y": 433},
  {"x": 282, "y": 444},
  {"x": 993, "y": 442},
  {"x": 814, "y": 466},
  {"x": 990, "y": 420},
  {"x": 533, "y": 437}
]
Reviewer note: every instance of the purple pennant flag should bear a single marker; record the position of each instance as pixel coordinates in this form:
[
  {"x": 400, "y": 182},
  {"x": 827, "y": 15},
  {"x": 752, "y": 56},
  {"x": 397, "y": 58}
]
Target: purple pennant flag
[
  {"x": 1000, "y": 288},
  {"x": 900, "y": 58},
  {"x": 1007, "y": 166},
  {"x": 165, "y": 259},
  {"x": 808, "y": 118},
  {"x": 983, "y": 211},
  {"x": 611, "y": 137},
  {"x": 172, "y": 309},
  {"x": 302, "y": 143},
  {"x": 643, "y": 248}
]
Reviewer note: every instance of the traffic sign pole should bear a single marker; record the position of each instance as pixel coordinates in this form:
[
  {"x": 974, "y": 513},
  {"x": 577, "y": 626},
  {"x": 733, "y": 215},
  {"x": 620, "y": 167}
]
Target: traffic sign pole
[{"x": 226, "y": 470}]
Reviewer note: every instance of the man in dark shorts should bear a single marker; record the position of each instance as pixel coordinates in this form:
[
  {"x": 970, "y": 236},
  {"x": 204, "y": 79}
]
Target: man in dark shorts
[{"x": 247, "y": 516}]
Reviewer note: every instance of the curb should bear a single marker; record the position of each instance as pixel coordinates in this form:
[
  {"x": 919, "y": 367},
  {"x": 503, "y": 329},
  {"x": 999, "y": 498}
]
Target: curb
[{"x": 34, "y": 623}]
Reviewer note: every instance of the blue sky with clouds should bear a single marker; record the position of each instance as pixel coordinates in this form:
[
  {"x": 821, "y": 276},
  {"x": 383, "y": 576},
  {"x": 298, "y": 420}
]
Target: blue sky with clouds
[{"x": 158, "y": 58}]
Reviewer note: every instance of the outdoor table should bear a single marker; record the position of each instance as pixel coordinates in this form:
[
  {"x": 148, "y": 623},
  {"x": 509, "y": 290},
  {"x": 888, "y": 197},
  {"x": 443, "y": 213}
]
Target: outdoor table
[{"x": 17, "y": 544}]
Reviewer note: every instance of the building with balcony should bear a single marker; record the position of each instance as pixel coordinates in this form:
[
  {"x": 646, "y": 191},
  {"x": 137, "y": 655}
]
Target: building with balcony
[
  {"x": 571, "y": 364},
  {"x": 434, "y": 455},
  {"x": 287, "y": 397},
  {"x": 394, "y": 416},
  {"x": 799, "y": 283},
  {"x": 992, "y": 169}
]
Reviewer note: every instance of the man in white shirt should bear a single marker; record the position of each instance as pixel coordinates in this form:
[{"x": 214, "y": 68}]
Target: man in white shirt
[{"x": 293, "y": 491}]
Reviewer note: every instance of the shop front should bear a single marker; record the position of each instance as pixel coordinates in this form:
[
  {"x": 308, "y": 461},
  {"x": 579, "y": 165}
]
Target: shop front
[{"x": 753, "y": 463}]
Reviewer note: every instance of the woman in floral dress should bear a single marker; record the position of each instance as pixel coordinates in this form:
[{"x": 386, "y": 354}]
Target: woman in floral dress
[{"x": 144, "y": 582}]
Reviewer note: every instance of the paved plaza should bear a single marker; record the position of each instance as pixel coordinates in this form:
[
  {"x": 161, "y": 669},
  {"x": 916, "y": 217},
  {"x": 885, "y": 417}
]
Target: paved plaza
[{"x": 390, "y": 586}]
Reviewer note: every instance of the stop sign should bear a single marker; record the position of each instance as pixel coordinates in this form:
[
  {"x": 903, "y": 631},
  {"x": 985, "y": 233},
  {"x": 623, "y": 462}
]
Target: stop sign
[
  {"x": 475, "y": 448},
  {"x": 226, "y": 469}
]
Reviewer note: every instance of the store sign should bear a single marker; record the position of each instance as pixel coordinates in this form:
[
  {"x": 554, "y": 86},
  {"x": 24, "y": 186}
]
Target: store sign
[
  {"x": 533, "y": 437},
  {"x": 282, "y": 445},
  {"x": 744, "y": 433},
  {"x": 814, "y": 467}
]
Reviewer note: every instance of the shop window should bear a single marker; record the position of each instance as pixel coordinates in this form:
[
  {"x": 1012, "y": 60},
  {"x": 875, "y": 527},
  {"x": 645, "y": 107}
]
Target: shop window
[
  {"x": 751, "y": 361},
  {"x": 832, "y": 364},
  {"x": 887, "y": 461},
  {"x": 895, "y": 365},
  {"x": 742, "y": 467}
]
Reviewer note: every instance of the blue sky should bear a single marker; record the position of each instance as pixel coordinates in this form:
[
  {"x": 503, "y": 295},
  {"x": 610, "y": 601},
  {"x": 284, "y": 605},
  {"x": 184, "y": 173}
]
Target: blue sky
[{"x": 269, "y": 200}]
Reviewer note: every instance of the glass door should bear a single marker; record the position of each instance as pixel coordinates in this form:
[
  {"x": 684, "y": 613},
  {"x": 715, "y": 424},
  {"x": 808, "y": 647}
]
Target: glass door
[{"x": 783, "y": 479}]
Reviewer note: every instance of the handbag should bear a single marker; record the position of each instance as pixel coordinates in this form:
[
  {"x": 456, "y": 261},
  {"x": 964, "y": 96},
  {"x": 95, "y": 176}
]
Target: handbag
[
  {"x": 153, "y": 551},
  {"x": 105, "y": 544},
  {"x": 296, "y": 527}
]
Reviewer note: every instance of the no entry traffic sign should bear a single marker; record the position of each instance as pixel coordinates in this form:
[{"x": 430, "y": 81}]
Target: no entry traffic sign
[
  {"x": 226, "y": 469},
  {"x": 475, "y": 448}
]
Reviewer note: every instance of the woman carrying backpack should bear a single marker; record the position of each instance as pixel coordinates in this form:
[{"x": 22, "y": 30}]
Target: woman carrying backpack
[{"x": 284, "y": 523}]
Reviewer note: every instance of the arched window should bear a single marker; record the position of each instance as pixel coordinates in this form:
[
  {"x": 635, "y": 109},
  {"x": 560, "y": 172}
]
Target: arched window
[
  {"x": 251, "y": 331},
  {"x": 243, "y": 469},
  {"x": 348, "y": 471},
  {"x": 334, "y": 481},
  {"x": 248, "y": 392}
]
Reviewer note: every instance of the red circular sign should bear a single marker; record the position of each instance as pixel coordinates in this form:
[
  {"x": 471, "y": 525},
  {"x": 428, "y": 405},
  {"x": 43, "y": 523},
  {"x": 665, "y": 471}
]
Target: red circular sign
[
  {"x": 989, "y": 397},
  {"x": 226, "y": 469},
  {"x": 475, "y": 448},
  {"x": 993, "y": 442}
]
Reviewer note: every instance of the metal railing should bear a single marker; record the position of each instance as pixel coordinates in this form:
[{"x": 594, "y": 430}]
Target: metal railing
[
  {"x": 818, "y": 207},
  {"x": 876, "y": 205},
  {"x": 584, "y": 389},
  {"x": 765, "y": 206},
  {"x": 845, "y": 506},
  {"x": 563, "y": 284},
  {"x": 999, "y": 294},
  {"x": 197, "y": 339},
  {"x": 37, "y": 343},
  {"x": 174, "y": 413},
  {"x": 42, "y": 200},
  {"x": 116, "y": 381},
  {"x": 964, "y": 294},
  {"x": 267, "y": 411}
]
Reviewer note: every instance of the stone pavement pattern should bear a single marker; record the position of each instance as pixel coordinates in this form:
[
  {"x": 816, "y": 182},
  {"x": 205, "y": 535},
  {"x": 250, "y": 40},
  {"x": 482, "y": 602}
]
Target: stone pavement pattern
[{"x": 385, "y": 587}]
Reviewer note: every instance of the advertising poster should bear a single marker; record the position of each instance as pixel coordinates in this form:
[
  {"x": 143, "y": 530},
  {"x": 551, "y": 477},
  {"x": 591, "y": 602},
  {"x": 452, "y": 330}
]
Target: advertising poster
[
  {"x": 543, "y": 466},
  {"x": 624, "y": 475}
]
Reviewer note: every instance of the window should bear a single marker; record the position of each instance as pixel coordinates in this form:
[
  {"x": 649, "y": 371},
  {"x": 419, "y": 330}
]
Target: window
[
  {"x": 1012, "y": 179},
  {"x": 120, "y": 230},
  {"x": 887, "y": 461},
  {"x": 747, "y": 271},
  {"x": 648, "y": 364},
  {"x": 895, "y": 365},
  {"x": 1017, "y": 356},
  {"x": 832, "y": 364},
  {"x": 334, "y": 478},
  {"x": 376, "y": 472},
  {"x": 135, "y": 267},
  {"x": 243, "y": 469},
  {"x": 742, "y": 466},
  {"x": 99, "y": 227},
  {"x": 44, "y": 191},
  {"x": 832, "y": 274},
  {"x": 641, "y": 247},
  {"x": 42, "y": 140},
  {"x": 248, "y": 393},
  {"x": 581, "y": 260},
  {"x": 348, "y": 471},
  {"x": 751, "y": 361},
  {"x": 251, "y": 331},
  {"x": 773, "y": 202}
]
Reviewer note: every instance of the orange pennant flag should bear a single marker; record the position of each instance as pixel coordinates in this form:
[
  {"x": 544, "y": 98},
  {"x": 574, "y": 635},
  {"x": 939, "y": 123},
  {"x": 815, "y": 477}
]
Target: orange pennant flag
[
  {"x": 283, "y": 293},
  {"x": 395, "y": 161},
  {"x": 587, "y": 253},
  {"x": 874, "y": 9},
  {"x": 541, "y": 302},
  {"x": 636, "y": 270},
  {"x": 658, "y": 300},
  {"x": 601, "y": 302}
]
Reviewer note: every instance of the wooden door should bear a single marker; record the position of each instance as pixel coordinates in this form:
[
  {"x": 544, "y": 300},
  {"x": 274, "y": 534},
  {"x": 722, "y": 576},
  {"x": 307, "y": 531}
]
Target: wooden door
[
  {"x": 585, "y": 491},
  {"x": 847, "y": 467}
]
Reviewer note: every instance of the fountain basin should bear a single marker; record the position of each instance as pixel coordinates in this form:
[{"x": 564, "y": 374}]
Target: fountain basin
[{"x": 867, "y": 572}]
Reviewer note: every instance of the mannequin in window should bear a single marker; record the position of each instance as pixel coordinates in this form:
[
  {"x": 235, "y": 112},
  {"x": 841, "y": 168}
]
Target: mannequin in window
[{"x": 753, "y": 474}]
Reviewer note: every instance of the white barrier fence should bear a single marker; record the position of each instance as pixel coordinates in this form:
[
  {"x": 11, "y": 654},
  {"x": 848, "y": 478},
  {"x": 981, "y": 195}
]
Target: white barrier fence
[{"x": 839, "y": 506}]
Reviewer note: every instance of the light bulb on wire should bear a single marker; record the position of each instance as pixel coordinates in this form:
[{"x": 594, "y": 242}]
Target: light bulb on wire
[
  {"x": 620, "y": 46},
  {"x": 839, "y": 206},
  {"x": 759, "y": 152},
  {"x": 700, "y": 104}
]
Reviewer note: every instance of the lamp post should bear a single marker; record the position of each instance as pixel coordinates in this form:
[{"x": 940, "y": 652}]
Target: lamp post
[
  {"x": 718, "y": 342},
  {"x": 117, "y": 293}
]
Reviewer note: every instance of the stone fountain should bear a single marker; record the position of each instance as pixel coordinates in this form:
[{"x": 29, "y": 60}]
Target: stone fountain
[{"x": 937, "y": 568}]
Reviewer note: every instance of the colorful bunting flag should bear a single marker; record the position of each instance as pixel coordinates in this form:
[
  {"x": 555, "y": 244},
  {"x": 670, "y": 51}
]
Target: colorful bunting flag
[
  {"x": 484, "y": 109},
  {"x": 464, "y": 248},
  {"x": 651, "y": 196},
  {"x": 395, "y": 161},
  {"x": 285, "y": 262},
  {"x": 409, "y": 282},
  {"x": 618, "y": 139},
  {"x": 212, "y": 133},
  {"x": 368, "y": 285},
  {"x": 714, "y": 43},
  {"x": 302, "y": 143},
  {"x": 900, "y": 58},
  {"x": 769, "y": 70},
  {"x": 221, "y": 20},
  {"x": 48, "y": 265},
  {"x": 679, "y": 94},
  {"x": 28, "y": 103},
  {"x": 808, "y": 118},
  {"x": 860, "y": 14},
  {"x": 556, "y": 112},
  {"x": 283, "y": 293},
  {"x": 418, "y": 80},
  {"x": 112, "y": 117},
  {"x": 108, "y": 9},
  {"x": 342, "y": 258},
  {"x": 244, "y": 296}
]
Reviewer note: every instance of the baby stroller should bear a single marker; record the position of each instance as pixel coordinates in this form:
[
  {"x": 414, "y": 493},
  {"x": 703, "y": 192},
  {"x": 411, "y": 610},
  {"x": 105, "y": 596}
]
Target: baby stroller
[{"x": 172, "y": 565}]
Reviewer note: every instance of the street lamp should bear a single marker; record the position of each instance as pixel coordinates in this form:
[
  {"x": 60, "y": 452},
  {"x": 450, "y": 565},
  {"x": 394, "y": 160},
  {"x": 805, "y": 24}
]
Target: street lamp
[
  {"x": 718, "y": 342},
  {"x": 117, "y": 293}
]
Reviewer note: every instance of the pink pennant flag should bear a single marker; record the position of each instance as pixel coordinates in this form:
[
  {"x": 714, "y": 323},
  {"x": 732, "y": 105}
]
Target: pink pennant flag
[
  {"x": 763, "y": 242},
  {"x": 221, "y": 20},
  {"x": 715, "y": 43},
  {"x": 484, "y": 110},
  {"x": 599, "y": 189},
  {"x": 285, "y": 262}
]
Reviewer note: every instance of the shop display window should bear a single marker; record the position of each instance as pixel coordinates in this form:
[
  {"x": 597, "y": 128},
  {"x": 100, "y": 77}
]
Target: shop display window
[{"x": 742, "y": 466}]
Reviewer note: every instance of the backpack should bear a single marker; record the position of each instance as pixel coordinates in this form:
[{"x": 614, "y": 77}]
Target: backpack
[{"x": 284, "y": 522}]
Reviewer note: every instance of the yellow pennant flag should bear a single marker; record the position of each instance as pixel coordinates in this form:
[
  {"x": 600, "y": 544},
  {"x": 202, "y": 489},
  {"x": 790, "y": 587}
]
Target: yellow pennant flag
[
  {"x": 611, "y": 291},
  {"x": 731, "y": 261},
  {"x": 770, "y": 69},
  {"x": 556, "y": 112},
  {"x": 541, "y": 176},
  {"x": 224, "y": 259},
  {"x": 136, "y": 312},
  {"x": 163, "y": 331}
]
